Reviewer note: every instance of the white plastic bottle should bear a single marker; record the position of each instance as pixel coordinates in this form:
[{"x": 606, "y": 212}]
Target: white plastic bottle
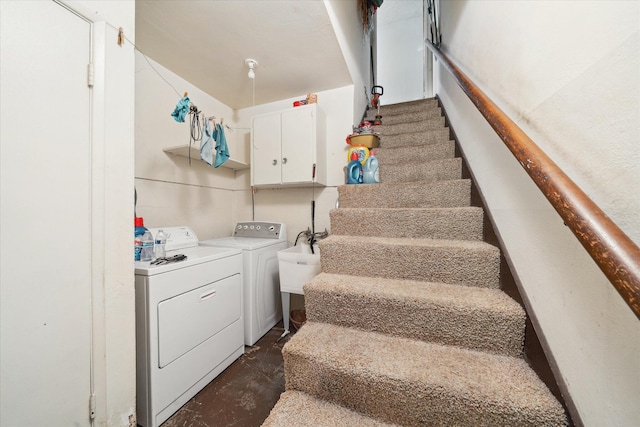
[
  {"x": 160, "y": 242},
  {"x": 147, "y": 246},
  {"x": 370, "y": 174}
]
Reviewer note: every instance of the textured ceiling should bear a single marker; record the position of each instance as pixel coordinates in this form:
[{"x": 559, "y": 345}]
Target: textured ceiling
[{"x": 206, "y": 42}]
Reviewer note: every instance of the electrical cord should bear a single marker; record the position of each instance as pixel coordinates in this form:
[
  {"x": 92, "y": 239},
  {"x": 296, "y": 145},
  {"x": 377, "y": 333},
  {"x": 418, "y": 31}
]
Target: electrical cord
[
  {"x": 195, "y": 127},
  {"x": 299, "y": 234}
]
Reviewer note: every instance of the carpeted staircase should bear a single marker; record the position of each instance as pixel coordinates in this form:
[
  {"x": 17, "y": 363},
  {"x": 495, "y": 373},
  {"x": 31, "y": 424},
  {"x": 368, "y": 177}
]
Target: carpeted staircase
[{"x": 407, "y": 324}]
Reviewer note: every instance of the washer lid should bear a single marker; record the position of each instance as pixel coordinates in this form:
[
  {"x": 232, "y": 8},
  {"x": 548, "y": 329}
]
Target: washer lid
[
  {"x": 195, "y": 255},
  {"x": 245, "y": 243}
]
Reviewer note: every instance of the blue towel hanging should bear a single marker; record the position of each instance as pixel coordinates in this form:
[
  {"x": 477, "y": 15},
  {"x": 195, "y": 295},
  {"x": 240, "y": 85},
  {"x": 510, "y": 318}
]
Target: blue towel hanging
[
  {"x": 181, "y": 110},
  {"x": 222, "y": 151}
]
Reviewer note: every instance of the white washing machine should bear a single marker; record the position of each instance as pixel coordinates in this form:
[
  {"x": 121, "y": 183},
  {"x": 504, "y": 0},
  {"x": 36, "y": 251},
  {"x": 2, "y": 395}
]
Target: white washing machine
[
  {"x": 260, "y": 243},
  {"x": 189, "y": 323}
]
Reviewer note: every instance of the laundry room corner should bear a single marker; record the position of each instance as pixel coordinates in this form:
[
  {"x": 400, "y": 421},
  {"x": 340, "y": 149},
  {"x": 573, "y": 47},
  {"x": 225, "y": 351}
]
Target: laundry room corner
[{"x": 292, "y": 205}]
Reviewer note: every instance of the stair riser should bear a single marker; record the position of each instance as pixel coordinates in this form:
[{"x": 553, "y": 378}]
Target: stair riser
[
  {"x": 411, "y": 117},
  {"x": 453, "y": 223},
  {"x": 386, "y": 399},
  {"x": 300, "y": 409},
  {"x": 424, "y": 320},
  {"x": 421, "y": 153},
  {"x": 442, "y": 264},
  {"x": 415, "y": 138},
  {"x": 445, "y": 194},
  {"x": 408, "y": 107},
  {"x": 421, "y": 126},
  {"x": 436, "y": 170}
]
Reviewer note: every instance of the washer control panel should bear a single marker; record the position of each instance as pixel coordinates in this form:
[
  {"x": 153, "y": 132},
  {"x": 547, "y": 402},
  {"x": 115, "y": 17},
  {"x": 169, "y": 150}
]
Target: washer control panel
[{"x": 259, "y": 229}]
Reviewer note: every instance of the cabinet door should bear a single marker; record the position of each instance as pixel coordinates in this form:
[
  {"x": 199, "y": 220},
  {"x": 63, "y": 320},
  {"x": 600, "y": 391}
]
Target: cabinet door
[
  {"x": 298, "y": 144},
  {"x": 265, "y": 150},
  {"x": 46, "y": 216}
]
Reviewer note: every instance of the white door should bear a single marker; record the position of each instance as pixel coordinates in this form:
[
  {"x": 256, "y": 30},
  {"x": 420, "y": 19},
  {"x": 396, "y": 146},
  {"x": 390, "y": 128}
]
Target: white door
[
  {"x": 265, "y": 151},
  {"x": 45, "y": 216},
  {"x": 400, "y": 51},
  {"x": 298, "y": 144}
]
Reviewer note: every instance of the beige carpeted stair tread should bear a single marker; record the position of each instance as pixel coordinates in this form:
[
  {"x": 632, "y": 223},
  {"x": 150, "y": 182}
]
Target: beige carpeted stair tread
[
  {"x": 414, "y": 383},
  {"x": 406, "y": 117},
  {"x": 463, "y": 223},
  {"x": 411, "y": 171},
  {"x": 415, "y": 138},
  {"x": 299, "y": 409},
  {"x": 416, "y": 153},
  {"x": 423, "y": 125},
  {"x": 404, "y": 107},
  {"x": 445, "y": 194},
  {"x": 474, "y": 318},
  {"x": 465, "y": 262}
]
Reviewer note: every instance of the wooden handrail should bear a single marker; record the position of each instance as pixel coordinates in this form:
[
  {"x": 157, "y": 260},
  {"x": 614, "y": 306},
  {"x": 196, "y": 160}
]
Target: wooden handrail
[{"x": 615, "y": 253}]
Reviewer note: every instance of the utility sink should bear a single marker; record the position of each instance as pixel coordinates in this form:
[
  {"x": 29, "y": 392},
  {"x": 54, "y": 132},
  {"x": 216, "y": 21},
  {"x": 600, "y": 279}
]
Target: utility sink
[{"x": 297, "y": 266}]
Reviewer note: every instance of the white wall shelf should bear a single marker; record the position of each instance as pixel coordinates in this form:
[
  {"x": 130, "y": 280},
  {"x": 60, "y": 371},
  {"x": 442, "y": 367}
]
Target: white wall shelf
[{"x": 183, "y": 150}]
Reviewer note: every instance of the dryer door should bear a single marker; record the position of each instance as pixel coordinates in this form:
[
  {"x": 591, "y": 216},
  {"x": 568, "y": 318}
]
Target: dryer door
[{"x": 187, "y": 320}]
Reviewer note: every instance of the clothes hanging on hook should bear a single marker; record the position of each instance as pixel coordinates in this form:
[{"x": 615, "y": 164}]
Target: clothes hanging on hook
[
  {"x": 207, "y": 142},
  {"x": 181, "y": 110},
  {"x": 222, "y": 151}
]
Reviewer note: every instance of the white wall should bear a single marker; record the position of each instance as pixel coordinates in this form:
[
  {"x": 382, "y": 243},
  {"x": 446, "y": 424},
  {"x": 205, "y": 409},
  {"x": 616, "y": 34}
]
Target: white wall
[
  {"x": 355, "y": 47},
  {"x": 568, "y": 74},
  {"x": 170, "y": 191},
  {"x": 400, "y": 47}
]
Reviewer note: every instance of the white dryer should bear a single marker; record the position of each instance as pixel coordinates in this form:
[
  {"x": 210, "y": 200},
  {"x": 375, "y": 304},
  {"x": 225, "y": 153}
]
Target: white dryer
[
  {"x": 189, "y": 323},
  {"x": 260, "y": 243}
]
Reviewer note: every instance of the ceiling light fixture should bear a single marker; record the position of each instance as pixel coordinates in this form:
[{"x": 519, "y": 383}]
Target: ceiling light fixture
[{"x": 252, "y": 64}]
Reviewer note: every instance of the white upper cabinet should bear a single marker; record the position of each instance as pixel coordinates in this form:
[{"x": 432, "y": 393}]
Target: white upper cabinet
[{"x": 286, "y": 145}]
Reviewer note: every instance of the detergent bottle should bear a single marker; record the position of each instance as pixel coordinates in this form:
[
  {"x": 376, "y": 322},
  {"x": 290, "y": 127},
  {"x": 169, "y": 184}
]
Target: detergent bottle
[
  {"x": 354, "y": 170},
  {"x": 139, "y": 230},
  {"x": 361, "y": 151},
  {"x": 370, "y": 173}
]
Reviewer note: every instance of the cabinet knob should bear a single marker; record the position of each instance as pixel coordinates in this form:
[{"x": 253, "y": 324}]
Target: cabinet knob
[
  {"x": 284, "y": 160},
  {"x": 274, "y": 162}
]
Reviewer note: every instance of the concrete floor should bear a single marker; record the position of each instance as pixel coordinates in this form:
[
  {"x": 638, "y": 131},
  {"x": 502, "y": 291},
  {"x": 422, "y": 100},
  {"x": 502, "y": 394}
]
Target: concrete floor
[{"x": 244, "y": 393}]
